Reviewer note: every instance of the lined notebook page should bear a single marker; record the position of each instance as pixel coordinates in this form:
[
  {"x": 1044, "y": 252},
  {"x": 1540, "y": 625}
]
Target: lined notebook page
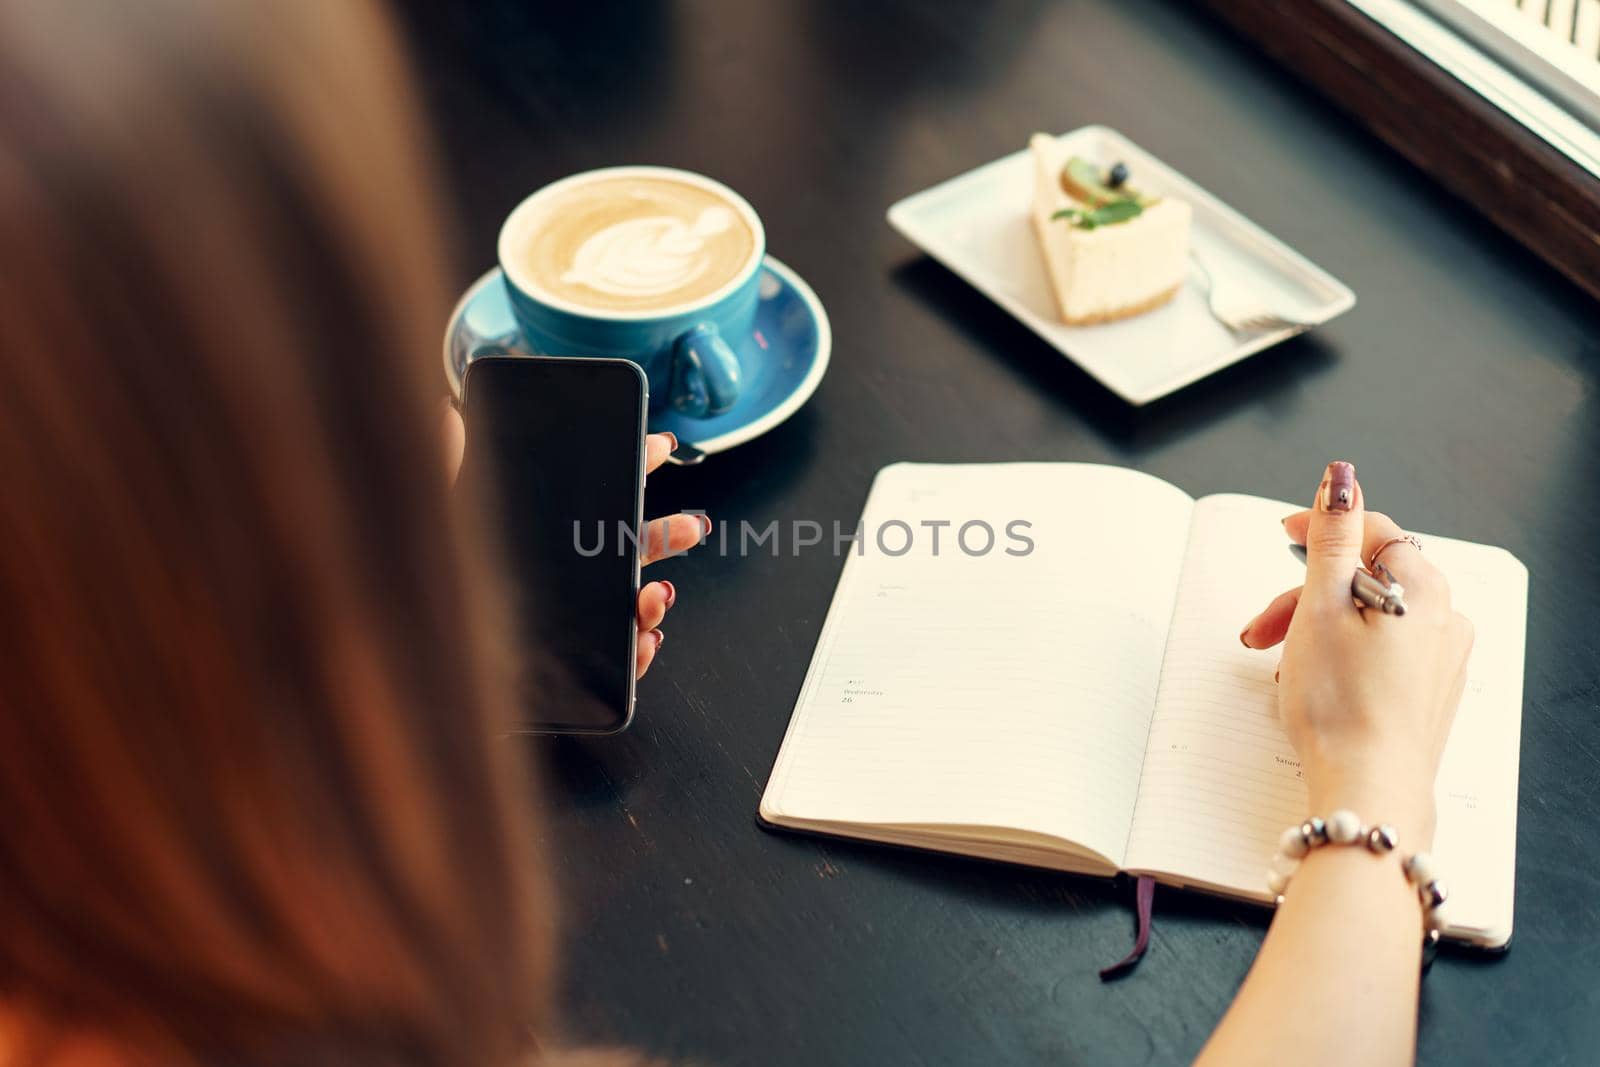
[
  {"x": 992, "y": 690},
  {"x": 1476, "y": 840},
  {"x": 1220, "y": 779},
  {"x": 1220, "y": 776}
]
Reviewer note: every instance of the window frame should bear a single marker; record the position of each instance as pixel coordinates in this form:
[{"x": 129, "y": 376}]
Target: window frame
[{"x": 1472, "y": 146}]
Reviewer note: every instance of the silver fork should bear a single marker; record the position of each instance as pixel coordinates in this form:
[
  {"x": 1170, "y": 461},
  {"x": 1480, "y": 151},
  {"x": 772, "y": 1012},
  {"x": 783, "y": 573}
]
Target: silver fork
[{"x": 1240, "y": 311}]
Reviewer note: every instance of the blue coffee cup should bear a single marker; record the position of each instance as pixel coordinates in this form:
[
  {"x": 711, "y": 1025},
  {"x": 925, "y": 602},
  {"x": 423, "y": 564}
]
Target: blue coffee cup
[{"x": 685, "y": 349}]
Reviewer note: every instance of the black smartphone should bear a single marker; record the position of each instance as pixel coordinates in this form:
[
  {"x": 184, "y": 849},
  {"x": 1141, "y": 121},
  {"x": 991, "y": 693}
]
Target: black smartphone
[{"x": 556, "y": 445}]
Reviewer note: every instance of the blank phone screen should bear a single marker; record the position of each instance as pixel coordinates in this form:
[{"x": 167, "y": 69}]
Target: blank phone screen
[{"x": 555, "y": 446}]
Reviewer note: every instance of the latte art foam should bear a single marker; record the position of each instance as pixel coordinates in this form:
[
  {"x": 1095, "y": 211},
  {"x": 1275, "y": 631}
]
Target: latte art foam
[
  {"x": 647, "y": 257},
  {"x": 635, "y": 243}
]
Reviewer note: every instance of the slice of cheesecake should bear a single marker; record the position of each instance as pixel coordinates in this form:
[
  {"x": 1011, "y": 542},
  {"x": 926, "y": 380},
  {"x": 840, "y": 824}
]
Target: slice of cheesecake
[{"x": 1111, "y": 251}]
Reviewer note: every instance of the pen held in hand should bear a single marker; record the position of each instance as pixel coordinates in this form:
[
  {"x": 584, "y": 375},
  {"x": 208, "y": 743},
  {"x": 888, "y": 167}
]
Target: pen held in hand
[{"x": 1389, "y": 599}]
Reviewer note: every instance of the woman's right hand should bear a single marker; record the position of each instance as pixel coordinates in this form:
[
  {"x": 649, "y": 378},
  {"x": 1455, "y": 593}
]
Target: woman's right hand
[{"x": 1367, "y": 699}]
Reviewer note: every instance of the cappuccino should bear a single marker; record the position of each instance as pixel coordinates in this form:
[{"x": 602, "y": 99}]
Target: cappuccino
[{"x": 631, "y": 243}]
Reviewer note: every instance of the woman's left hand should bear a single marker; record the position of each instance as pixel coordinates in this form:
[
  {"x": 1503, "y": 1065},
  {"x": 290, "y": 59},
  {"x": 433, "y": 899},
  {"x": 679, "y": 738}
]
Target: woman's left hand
[{"x": 663, "y": 537}]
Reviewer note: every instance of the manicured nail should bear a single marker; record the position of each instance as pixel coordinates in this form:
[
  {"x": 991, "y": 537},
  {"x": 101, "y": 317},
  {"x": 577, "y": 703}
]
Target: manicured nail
[
  {"x": 672, "y": 593},
  {"x": 669, "y": 435},
  {"x": 705, "y": 526},
  {"x": 660, "y": 637},
  {"x": 1339, "y": 487},
  {"x": 1244, "y": 631}
]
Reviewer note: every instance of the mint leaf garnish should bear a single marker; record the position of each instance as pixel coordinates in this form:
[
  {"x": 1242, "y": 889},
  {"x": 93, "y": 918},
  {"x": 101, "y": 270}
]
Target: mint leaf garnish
[{"x": 1104, "y": 215}]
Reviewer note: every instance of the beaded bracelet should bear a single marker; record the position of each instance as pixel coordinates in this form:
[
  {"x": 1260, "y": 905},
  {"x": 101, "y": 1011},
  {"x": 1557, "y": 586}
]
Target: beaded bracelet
[{"x": 1345, "y": 827}]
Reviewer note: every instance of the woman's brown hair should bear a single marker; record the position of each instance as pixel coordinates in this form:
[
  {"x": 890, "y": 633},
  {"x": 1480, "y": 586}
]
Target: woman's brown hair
[{"x": 254, "y": 804}]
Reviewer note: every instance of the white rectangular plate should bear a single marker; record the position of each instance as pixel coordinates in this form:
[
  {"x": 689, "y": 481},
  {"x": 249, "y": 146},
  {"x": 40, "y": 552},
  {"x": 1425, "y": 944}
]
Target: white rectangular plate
[{"x": 979, "y": 226}]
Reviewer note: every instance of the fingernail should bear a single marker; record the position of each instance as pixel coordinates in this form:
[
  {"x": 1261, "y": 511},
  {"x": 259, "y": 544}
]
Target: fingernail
[
  {"x": 705, "y": 526},
  {"x": 672, "y": 592},
  {"x": 660, "y": 637},
  {"x": 669, "y": 435},
  {"x": 1285, "y": 520},
  {"x": 1274, "y": 676},
  {"x": 1244, "y": 631},
  {"x": 1339, "y": 487}
]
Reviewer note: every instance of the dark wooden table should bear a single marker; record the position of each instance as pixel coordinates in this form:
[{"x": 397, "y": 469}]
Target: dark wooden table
[{"x": 1465, "y": 386}]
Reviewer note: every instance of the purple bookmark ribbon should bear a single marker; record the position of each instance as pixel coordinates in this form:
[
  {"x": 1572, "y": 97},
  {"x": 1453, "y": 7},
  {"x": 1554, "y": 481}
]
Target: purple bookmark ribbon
[{"x": 1144, "y": 898}]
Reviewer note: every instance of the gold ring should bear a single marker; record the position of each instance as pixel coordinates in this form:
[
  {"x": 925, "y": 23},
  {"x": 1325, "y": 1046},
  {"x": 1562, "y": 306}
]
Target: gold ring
[{"x": 1409, "y": 539}]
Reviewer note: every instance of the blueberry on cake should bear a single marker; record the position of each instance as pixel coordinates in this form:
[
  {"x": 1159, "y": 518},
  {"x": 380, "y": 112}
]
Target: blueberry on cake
[{"x": 1111, "y": 251}]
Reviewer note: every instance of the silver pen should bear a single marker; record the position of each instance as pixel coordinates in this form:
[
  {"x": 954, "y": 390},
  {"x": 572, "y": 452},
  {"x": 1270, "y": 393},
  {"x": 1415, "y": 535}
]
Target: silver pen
[{"x": 1389, "y": 599}]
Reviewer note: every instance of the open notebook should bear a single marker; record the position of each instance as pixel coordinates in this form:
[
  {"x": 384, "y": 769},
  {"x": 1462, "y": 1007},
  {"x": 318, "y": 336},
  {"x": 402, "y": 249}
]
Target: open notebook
[{"x": 1087, "y": 705}]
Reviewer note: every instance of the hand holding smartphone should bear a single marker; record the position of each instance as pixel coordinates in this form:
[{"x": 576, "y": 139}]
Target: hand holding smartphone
[{"x": 557, "y": 445}]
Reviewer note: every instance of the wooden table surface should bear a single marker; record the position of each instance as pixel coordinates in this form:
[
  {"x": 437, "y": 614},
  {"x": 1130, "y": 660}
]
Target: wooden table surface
[{"x": 1465, "y": 386}]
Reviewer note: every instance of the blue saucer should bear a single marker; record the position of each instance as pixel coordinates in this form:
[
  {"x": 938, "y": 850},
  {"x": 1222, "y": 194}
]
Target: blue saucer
[{"x": 781, "y": 361}]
